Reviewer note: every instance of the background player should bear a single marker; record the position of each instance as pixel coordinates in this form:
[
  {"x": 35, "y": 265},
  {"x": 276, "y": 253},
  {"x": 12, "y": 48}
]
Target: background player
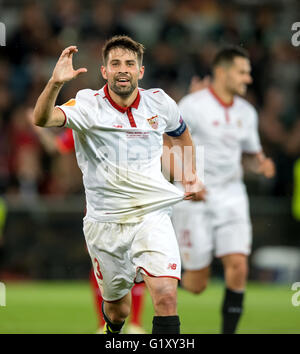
[
  {"x": 226, "y": 125},
  {"x": 118, "y": 139}
]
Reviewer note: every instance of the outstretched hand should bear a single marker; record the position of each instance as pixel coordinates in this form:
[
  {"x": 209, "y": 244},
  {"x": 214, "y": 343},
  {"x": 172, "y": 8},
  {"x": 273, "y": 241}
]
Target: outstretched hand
[{"x": 64, "y": 70}]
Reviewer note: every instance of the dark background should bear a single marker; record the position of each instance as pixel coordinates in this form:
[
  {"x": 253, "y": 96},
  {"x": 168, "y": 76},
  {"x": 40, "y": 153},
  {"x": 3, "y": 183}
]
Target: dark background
[{"x": 43, "y": 237}]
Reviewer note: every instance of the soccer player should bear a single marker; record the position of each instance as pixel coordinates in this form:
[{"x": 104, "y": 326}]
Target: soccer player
[
  {"x": 118, "y": 140},
  {"x": 225, "y": 124},
  {"x": 64, "y": 144}
]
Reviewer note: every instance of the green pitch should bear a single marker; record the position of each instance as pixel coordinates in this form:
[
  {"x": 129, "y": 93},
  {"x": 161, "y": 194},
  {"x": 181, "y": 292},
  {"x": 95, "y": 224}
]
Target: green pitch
[{"x": 67, "y": 307}]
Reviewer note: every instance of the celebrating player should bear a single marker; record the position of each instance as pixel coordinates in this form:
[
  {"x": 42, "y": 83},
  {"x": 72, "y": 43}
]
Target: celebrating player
[
  {"x": 226, "y": 125},
  {"x": 63, "y": 143},
  {"x": 118, "y": 140}
]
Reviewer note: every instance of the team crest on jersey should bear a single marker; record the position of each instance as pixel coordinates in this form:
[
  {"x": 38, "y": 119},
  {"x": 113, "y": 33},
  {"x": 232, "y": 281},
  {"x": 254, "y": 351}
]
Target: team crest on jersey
[{"x": 153, "y": 122}]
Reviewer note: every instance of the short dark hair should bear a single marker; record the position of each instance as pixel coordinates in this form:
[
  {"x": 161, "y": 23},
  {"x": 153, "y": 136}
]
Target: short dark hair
[
  {"x": 124, "y": 42},
  {"x": 227, "y": 54}
]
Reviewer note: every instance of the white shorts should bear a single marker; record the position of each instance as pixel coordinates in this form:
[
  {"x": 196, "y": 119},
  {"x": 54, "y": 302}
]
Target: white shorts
[
  {"x": 217, "y": 227},
  {"x": 121, "y": 253}
]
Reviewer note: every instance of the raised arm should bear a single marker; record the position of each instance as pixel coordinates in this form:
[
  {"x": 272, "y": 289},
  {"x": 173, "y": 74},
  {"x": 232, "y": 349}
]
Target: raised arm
[{"x": 45, "y": 114}]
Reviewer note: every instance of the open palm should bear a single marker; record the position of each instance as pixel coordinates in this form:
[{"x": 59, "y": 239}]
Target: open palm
[{"x": 64, "y": 70}]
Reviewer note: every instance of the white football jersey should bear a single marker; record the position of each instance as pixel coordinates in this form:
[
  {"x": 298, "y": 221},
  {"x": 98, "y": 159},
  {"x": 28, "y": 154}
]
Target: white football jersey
[
  {"x": 223, "y": 130},
  {"x": 118, "y": 151}
]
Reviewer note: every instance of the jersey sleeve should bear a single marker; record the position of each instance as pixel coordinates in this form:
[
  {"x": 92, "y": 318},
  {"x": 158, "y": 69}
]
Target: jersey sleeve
[
  {"x": 175, "y": 124},
  {"x": 251, "y": 143},
  {"x": 80, "y": 111}
]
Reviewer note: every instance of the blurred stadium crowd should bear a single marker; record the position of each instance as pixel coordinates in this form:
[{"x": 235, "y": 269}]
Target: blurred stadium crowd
[{"x": 181, "y": 38}]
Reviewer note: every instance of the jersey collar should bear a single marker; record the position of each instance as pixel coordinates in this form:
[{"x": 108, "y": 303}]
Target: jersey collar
[
  {"x": 121, "y": 109},
  {"x": 222, "y": 103}
]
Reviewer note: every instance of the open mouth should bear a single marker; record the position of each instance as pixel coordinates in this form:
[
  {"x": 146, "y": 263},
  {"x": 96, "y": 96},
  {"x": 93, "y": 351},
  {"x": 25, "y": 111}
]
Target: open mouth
[{"x": 122, "y": 81}]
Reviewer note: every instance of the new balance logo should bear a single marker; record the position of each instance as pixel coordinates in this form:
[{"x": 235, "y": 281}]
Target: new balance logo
[{"x": 172, "y": 266}]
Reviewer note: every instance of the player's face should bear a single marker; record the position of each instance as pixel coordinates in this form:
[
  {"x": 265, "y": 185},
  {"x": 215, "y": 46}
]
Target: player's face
[
  {"x": 122, "y": 71},
  {"x": 238, "y": 76}
]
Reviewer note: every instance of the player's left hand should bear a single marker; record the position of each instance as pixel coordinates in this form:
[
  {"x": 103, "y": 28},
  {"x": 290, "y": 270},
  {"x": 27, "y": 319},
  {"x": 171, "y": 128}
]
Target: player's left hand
[
  {"x": 200, "y": 196},
  {"x": 266, "y": 167}
]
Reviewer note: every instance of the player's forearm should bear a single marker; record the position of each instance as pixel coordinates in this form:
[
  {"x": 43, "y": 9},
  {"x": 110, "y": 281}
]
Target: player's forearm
[
  {"x": 185, "y": 142},
  {"x": 168, "y": 160},
  {"x": 252, "y": 162},
  {"x": 44, "y": 107}
]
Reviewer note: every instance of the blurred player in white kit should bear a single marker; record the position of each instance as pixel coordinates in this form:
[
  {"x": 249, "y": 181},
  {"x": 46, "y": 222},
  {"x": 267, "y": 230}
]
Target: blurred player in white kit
[
  {"x": 118, "y": 134},
  {"x": 226, "y": 125}
]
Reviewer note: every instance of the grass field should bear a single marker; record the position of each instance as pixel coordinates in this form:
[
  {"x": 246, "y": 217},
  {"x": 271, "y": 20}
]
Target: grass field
[{"x": 67, "y": 307}]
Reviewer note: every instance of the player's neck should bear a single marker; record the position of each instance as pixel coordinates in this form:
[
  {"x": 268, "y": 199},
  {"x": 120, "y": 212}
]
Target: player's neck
[
  {"x": 221, "y": 92},
  {"x": 123, "y": 101}
]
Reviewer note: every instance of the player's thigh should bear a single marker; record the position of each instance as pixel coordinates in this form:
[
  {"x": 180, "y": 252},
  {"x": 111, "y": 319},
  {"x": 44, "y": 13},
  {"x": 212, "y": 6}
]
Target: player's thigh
[
  {"x": 192, "y": 225},
  {"x": 108, "y": 245},
  {"x": 154, "y": 250}
]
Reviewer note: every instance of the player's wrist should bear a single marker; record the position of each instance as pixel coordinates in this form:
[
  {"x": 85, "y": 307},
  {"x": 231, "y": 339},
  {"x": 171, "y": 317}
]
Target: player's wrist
[
  {"x": 189, "y": 178},
  {"x": 186, "y": 182},
  {"x": 55, "y": 83}
]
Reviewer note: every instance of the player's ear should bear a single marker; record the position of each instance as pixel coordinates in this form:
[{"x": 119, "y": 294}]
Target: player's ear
[
  {"x": 142, "y": 71},
  {"x": 221, "y": 72},
  {"x": 103, "y": 72},
  {"x": 218, "y": 71}
]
